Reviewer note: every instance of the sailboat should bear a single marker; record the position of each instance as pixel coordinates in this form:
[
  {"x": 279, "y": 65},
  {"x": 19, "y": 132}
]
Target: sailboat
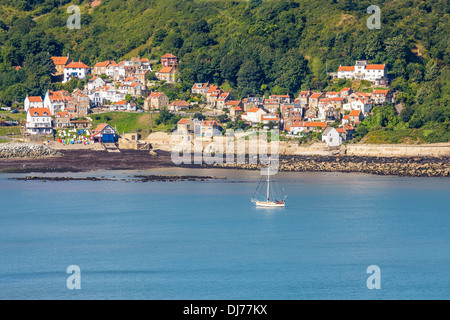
[{"x": 267, "y": 194}]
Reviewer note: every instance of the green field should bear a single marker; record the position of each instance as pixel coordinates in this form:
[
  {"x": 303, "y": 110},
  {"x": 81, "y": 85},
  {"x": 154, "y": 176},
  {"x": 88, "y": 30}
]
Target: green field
[
  {"x": 5, "y": 130},
  {"x": 407, "y": 136},
  {"x": 4, "y": 141},
  {"x": 126, "y": 122}
]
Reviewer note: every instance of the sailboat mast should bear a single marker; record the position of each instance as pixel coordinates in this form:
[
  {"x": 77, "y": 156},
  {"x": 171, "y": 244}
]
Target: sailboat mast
[{"x": 268, "y": 183}]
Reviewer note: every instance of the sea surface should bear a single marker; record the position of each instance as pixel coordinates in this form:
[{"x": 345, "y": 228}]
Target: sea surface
[{"x": 206, "y": 240}]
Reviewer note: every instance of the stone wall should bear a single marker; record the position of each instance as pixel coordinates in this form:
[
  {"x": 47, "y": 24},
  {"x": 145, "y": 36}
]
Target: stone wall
[{"x": 397, "y": 150}]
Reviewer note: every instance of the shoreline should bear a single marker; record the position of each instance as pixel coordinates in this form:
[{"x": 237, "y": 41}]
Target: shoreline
[{"x": 86, "y": 160}]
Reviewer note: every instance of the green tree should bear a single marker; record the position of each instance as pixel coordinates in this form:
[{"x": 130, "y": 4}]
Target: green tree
[{"x": 249, "y": 78}]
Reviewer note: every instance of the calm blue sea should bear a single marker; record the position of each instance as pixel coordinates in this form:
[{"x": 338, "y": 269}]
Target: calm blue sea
[{"x": 205, "y": 240}]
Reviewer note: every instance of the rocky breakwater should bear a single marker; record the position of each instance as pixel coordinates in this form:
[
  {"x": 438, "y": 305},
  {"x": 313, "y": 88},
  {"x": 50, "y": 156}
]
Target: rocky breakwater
[
  {"x": 408, "y": 167},
  {"x": 26, "y": 150}
]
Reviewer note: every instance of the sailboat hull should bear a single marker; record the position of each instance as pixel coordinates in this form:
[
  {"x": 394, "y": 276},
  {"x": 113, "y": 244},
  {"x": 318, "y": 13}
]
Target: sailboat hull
[{"x": 269, "y": 204}]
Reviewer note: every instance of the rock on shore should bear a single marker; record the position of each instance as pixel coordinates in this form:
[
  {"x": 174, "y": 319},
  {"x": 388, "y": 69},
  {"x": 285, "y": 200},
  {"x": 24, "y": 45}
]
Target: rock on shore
[
  {"x": 408, "y": 167},
  {"x": 25, "y": 150}
]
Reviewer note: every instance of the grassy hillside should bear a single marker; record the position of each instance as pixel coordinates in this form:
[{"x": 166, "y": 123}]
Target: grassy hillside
[
  {"x": 126, "y": 122},
  {"x": 256, "y": 46}
]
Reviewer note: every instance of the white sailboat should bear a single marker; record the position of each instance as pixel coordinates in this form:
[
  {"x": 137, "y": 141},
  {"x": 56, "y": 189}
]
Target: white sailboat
[{"x": 267, "y": 195}]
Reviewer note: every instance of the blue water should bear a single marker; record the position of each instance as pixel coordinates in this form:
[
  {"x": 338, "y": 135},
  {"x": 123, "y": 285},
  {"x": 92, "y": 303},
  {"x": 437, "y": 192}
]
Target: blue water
[{"x": 205, "y": 240}]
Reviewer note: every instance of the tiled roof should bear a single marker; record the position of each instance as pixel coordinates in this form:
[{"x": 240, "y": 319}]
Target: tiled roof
[
  {"x": 39, "y": 112},
  {"x": 345, "y": 68},
  {"x": 77, "y": 65},
  {"x": 35, "y": 99},
  {"x": 169, "y": 55},
  {"x": 60, "y": 60},
  {"x": 375, "y": 67}
]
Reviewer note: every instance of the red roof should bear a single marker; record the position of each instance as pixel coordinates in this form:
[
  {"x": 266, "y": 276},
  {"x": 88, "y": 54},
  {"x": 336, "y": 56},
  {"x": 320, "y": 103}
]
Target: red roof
[
  {"x": 383, "y": 92},
  {"x": 315, "y": 95},
  {"x": 39, "y": 112},
  {"x": 180, "y": 103},
  {"x": 166, "y": 70},
  {"x": 102, "y": 64},
  {"x": 184, "y": 121},
  {"x": 169, "y": 56},
  {"x": 202, "y": 85},
  {"x": 154, "y": 95},
  {"x": 35, "y": 99},
  {"x": 355, "y": 113},
  {"x": 233, "y": 102},
  {"x": 77, "y": 65},
  {"x": 62, "y": 114},
  {"x": 345, "y": 68},
  {"x": 254, "y": 110},
  {"x": 237, "y": 108},
  {"x": 209, "y": 123},
  {"x": 101, "y": 127},
  {"x": 341, "y": 130},
  {"x": 57, "y": 96},
  {"x": 309, "y": 124},
  {"x": 60, "y": 60},
  {"x": 375, "y": 67}
]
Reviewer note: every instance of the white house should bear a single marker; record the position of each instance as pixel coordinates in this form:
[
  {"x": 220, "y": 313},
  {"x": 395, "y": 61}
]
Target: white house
[
  {"x": 253, "y": 115},
  {"x": 362, "y": 104},
  {"x": 33, "y": 102},
  {"x": 95, "y": 82},
  {"x": 362, "y": 70},
  {"x": 334, "y": 137},
  {"x": 76, "y": 69},
  {"x": 56, "y": 101},
  {"x": 39, "y": 121},
  {"x": 200, "y": 88}
]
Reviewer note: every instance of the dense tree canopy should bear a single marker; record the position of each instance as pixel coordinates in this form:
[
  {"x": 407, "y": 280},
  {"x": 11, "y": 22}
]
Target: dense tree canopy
[{"x": 256, "y": 47}]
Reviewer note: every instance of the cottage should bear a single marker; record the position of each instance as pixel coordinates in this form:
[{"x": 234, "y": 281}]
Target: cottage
[
  {"x": 104, "y": 133},
  {"x": 76, "y": 70},
  {"x": 168, "y": 74},
  {"x": 39, "y": 121},
  {"x": 253, "y": 116},
  {"x": 296, "y": 126},
  {"x": 60, "y": 63},
  {"x": 210, "y": 128},
  {"x": 382, "y": 96},
  {"x": 270, "y": 118},
  {"x": 62, "y": 119},
  {"x": 95, "y": 82},
  {"x": 169, "y": 60},
  {"x": 200, "y": 88},
  {"x": 33, "y": 102},
  {"x": 362, "y": 70},
  {"x": 222, "y": 100},
  {"x": 272, "y": 105},
  {"x": 235, "y": 112},
  {"x": 178, "y": 105},
  {"x": 355, "y": 116},
  {"x": 303, "y": 98},
  {"x": 101, "y": 67},
  {"x": 56, "y": 101},
  {"x": 334, "y": 137},
  {"x": 252, "y": 102},
  {"x": 156, "y": 100}
]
